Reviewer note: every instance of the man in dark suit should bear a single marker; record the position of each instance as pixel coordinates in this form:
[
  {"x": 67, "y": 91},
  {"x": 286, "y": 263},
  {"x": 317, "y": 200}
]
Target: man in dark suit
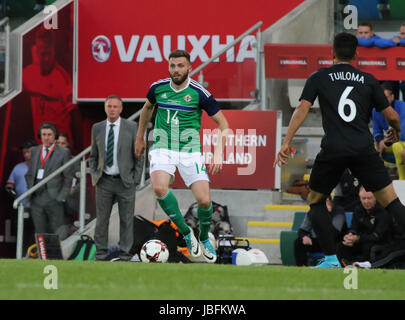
[
  {"x": 115, "y": 172},
  {"x": 47, "y": 202}
]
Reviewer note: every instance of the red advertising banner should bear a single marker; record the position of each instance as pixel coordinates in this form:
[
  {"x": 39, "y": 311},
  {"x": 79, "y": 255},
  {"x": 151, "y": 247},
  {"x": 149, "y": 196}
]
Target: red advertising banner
[
  {"x": 125, "y": 52},
  {"x": 249, "y": 153},
  {"x": 297, "y": 61}
]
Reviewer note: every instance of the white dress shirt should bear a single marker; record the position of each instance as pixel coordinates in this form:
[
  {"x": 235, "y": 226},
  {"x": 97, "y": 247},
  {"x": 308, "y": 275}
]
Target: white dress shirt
[
  {"x": 114, "y": 169},
  {"x": 44, "y": 153}
]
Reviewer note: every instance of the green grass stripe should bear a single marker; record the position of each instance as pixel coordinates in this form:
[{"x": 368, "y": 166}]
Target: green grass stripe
[{"x": 24, "y": 279}]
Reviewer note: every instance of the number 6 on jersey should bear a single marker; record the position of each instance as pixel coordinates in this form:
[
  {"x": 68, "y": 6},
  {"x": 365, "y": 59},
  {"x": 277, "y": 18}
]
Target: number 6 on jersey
[{"x": 343, "y": 101}]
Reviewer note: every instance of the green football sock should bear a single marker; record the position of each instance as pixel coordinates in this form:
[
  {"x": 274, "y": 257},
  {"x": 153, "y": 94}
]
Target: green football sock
[
  {"x": 170, "y": 206},
  {"x": 205, "y": 218}
]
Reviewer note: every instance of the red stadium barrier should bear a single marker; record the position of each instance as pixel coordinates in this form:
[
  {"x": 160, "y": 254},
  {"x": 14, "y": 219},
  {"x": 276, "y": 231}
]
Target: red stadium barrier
[{"x": 297, "y": 61}]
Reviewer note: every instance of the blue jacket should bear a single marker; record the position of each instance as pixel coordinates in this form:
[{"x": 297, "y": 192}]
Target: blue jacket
[
  {"x": 388, "y": 43},
  {"x": 368, "y": 42},
  {"x": 380, "y": 123}
]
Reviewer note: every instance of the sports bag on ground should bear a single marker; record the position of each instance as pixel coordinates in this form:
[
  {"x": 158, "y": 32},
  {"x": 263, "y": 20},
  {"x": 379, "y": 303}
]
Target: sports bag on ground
[
  {"x": 85, "y": 249},
  {"x": 220, "y": 224}
]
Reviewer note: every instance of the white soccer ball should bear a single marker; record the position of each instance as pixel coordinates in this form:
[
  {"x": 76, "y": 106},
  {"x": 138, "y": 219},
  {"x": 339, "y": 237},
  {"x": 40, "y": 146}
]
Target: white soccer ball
[
  {"x": 212, "y": 240},
  {"x": 154, "y": 251}
]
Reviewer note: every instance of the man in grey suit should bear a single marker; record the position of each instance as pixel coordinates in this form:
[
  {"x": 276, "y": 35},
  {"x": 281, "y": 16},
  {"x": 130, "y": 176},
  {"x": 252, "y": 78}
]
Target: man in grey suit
[
  {"x": 115, "y": 172},
  {"x": 47, "y": 202}
]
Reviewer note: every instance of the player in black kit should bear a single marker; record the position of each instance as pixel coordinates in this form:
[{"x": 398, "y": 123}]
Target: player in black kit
[{"x": 346, "y": 98}]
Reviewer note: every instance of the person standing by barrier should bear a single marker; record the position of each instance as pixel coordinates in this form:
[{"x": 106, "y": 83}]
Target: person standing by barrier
[
  {"x": 115, "y": 172},
  {"x": 47, "y": 203},
  {"x": 16, "y": 185}
]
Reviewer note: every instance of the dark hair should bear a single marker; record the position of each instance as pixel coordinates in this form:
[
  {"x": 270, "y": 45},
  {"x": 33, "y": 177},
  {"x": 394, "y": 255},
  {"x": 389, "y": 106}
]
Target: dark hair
[
  {"x": 64, "y": 134},
  {"x": 180, "y": 53},
  {"x": 344, "y": 46},
  {"x": 28, "y": 144},
  {"x": 402, "y": 24},
  {"x": 113, "y": 96},
  {"x": 386, "y": 86},
  {"x": 365, "y": 24},
  {"x": 48, "y": 125}
]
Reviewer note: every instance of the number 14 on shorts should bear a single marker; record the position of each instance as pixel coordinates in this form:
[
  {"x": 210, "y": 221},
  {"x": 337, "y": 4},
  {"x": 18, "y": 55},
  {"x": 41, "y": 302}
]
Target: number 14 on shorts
[{"x": 202, "y": 168}]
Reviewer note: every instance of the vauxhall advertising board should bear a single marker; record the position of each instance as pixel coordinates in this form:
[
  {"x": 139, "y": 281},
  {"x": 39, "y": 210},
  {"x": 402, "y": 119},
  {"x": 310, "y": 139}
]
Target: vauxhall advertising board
[{"x": 124, "y": 51}]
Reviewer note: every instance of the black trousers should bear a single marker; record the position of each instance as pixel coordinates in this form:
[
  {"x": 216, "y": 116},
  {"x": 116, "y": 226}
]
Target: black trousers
[
  {"x": 301, "y": 251},
  {"x": 359, "y": 252}
]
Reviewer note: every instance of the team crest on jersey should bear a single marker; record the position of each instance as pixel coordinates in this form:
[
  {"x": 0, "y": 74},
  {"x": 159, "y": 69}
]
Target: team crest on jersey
[{"x": 187, "y": 98}]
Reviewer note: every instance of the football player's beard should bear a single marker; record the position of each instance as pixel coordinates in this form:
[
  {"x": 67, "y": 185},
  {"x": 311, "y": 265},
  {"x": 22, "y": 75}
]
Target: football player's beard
[{"x": 182, "y": 79}]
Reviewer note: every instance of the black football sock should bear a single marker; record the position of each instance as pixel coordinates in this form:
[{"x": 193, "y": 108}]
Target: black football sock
[
  {"x": 323, "y": 228},
  {"x": 397, "y": 210}
]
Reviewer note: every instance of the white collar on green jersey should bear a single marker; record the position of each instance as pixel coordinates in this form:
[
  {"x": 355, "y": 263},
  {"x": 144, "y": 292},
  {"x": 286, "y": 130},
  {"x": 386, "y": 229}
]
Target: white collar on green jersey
[{"x": 188, "y": 83}]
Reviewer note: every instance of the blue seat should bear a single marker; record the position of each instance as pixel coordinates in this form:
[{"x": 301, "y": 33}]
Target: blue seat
[
  {"x": 349, "y": 217},
  {"x": 367, "y": 9}
]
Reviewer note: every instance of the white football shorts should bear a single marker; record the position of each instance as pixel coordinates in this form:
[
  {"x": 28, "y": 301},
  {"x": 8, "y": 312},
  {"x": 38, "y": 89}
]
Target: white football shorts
[{"x": 191, "y": 165}]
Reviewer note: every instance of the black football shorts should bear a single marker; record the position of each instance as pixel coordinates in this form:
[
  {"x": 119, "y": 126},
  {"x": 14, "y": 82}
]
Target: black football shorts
[{"x": 369, "y": 169}]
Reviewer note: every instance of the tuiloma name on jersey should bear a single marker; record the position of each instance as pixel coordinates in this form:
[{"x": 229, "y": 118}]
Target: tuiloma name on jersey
[{"x": 351, "y": 76}]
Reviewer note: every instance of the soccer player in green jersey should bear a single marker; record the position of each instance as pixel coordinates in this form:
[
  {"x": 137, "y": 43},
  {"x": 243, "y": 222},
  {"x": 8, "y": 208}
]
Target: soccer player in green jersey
[{"x": 180, "y": 101}]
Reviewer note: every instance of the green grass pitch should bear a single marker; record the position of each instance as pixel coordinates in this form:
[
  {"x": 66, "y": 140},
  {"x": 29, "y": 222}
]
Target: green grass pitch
[{"x": 24, "y": 279}]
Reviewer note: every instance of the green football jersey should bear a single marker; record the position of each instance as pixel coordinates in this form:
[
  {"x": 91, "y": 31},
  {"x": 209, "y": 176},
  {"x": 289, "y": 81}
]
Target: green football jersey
[{"x": 178, "y": 118}]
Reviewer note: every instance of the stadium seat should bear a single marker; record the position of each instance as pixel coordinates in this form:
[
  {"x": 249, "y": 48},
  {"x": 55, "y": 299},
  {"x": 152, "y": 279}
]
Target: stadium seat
[
  {"x": 298, "y": 218},
  {"x": 349, "y": 217},
  {"x": 397, "y": 9},
  {"x": 287, "y": 239},
  {"x": 367, "y": 9}
]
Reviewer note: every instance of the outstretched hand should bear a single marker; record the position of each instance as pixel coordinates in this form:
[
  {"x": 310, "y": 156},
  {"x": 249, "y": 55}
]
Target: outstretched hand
[
  {"x": 215, "y": 165},
  {"x": 282, "y": 155}
]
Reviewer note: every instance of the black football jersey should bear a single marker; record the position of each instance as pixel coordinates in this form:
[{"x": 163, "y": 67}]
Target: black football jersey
[{"x": 346, "y": 98}]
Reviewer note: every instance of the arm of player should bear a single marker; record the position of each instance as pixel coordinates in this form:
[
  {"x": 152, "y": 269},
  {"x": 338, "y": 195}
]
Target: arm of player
[
  {"x": 146, "y": 115},
  {"x": 216, "y": 163},
  {"x": 393, "y": 120},
  {"x": 296, "y": 121}
]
